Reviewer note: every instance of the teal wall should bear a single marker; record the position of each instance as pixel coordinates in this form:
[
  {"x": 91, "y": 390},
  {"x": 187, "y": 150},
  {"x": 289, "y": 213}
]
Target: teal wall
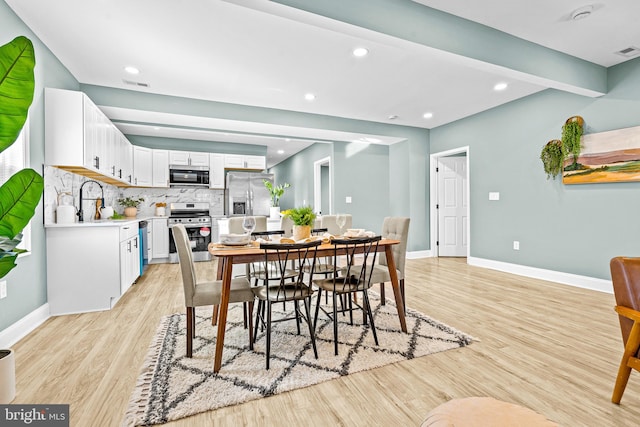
[
  {"x": 193, "y": 145},
  {"x": 26, "y": 284},
  {"x": 569, "y": 228}
]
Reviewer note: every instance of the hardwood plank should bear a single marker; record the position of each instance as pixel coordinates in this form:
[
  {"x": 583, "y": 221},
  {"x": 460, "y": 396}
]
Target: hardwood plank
[{"x": 550, "y": 347}]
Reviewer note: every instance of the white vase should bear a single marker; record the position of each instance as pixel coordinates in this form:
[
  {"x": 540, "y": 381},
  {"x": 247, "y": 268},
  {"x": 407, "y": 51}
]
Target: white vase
[
  {"x": 274, "y": 212},
  {"x": 7, "y": 376}
]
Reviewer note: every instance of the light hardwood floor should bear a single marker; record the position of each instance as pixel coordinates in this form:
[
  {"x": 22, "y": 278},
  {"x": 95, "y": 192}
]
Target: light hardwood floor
[{"x": 550, "y": 347}]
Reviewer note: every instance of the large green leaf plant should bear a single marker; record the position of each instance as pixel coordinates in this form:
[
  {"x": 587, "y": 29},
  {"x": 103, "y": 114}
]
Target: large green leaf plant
[{"x": 20, "y": 195}]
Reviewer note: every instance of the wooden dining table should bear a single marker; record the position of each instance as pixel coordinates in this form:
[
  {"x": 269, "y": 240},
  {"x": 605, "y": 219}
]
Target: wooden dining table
[{"x": 228, "y": 256}]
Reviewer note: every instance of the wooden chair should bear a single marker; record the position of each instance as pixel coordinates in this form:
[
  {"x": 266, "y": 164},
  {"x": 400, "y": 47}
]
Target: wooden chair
[
  {"x": 625, "y": 276},
  {"x": 198, "y": 293},
  {"x": 281, "y": 256}
]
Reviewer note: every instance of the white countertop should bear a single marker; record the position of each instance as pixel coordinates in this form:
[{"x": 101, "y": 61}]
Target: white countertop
[{"x": 105, "y": 222}]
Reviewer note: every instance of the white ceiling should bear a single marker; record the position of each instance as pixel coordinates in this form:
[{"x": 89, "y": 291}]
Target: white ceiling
[{"x": 259, "y": 53}]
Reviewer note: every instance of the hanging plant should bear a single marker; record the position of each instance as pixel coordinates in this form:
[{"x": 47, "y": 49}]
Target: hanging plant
[
  {"x": 571, "y": 135},
  {"x": 552, "y": 158}
]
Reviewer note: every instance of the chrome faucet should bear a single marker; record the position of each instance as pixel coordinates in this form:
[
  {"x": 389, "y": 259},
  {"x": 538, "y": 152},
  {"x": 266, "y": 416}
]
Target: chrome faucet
[{"x": 80, "y": 215}]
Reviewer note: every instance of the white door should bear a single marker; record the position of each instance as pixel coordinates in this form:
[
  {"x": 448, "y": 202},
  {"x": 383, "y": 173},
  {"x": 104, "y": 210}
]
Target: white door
[{"x": 452, "y": 206}]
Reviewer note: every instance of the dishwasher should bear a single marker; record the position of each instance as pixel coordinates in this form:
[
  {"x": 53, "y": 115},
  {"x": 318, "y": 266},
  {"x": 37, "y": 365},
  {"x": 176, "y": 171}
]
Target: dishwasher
[{"x": 144, "y": 244}]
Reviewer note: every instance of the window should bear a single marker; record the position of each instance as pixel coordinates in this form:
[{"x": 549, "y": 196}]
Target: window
[{"x": 13, "y": 159}]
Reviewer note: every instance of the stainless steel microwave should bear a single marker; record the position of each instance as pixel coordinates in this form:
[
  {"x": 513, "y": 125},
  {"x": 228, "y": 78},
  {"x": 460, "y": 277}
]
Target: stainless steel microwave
[{"x": 188, "y": 175}]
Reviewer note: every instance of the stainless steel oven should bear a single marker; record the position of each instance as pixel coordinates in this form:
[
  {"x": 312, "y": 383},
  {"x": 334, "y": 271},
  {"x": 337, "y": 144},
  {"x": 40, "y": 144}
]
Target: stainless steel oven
[{"x": 196, "y": 220}]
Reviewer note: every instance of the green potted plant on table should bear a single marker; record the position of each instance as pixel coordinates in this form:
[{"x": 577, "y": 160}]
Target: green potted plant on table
[
  {"x": 20, "y": 195},
  {"x": 303, "y": 219},
  {"x": 130, "y": 205},
  {"x": 275, "y": 191}
]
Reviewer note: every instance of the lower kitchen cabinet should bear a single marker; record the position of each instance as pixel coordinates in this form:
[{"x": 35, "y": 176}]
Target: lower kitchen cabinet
[
  {"x": 160, "y": 239},
  {"x": 90, "y": 267}
]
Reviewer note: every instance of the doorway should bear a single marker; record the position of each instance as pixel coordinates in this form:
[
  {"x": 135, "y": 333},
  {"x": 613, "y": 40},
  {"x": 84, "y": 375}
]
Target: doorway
[
  {"x": 450, "y": 209},
  {"x": 322, "y": 196}
]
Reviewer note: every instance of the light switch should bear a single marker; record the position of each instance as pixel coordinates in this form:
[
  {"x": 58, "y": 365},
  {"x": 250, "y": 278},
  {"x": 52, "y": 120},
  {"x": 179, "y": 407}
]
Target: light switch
[
  {"x": 494, "y": 195},
  {"x": 347, "y": 199}
]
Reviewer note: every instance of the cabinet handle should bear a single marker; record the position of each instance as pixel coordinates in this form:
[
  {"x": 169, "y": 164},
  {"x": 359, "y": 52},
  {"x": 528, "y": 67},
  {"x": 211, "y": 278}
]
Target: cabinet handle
[
  {"x": 129, "y": 178},
  {"x": 129, "y": 246},
  {"x": 113, "y": 170},
  {"x": 136, "y": 181},
  {"x": 96, "y": 162},
  {"x": 120, "y": 173},
  {"x": 136, "y": 242}
]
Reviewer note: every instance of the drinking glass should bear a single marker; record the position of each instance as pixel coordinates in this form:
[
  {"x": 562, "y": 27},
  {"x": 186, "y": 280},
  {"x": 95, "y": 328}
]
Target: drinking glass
[
  {"x": 341, "y": 220},
  {"x": 249, "y": 224}
]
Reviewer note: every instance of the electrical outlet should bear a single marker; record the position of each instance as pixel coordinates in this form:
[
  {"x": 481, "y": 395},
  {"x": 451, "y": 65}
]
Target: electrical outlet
[
  {"x": 3, "y": 289},
  {"x": 347, "y": 199},
  {"x": 516, "y": 245}
]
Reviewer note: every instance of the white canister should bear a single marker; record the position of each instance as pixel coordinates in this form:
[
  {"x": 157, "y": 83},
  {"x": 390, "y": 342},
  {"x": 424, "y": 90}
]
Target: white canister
[
  {"x": 160, "y": 211},
  {"x": 106, "y": 212},
  {"x": 65, "y": 214}
]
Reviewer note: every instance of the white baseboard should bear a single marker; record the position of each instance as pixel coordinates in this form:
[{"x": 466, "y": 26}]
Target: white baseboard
[
  {"x": 419, "y": 254},
  {"x": 550, "y": 275},
  {"x": 24, "y": 326}
]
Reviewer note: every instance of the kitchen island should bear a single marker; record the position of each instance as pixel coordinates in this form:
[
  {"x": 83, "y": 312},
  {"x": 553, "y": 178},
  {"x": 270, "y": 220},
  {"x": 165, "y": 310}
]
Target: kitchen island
[{"x": 91, "y": 264}]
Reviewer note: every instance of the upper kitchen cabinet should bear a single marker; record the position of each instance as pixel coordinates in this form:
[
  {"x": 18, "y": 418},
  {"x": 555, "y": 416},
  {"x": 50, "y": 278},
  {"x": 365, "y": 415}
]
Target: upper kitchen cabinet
[
  {"x": 81, "y": 139},
  {"x": 216, "y": 171},
  {"x": 239, "y": 161},
  {"x": 188, "y": 158},
  {"x": 142, "y": 166},
  {"x": 160, "y": 173}
]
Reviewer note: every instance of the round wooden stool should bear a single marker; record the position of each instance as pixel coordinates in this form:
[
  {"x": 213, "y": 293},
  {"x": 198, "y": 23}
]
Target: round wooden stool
[{"x": 483, "y": 412}]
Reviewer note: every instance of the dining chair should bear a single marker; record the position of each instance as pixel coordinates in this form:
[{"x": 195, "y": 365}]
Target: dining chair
[
  {"x": 200, "y": 293},
  {"x": 625, "y": 277},
  {"x": 235, "y": 224},
  {"x": 346, "y": 282},
  {"x": 395, "y": 228},
  {"x": 284, "y": 290},
  {"x": 329, "y": 222}
]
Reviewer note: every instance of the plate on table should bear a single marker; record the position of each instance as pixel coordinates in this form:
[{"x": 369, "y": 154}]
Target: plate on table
[{"x": 234, "y": 243}]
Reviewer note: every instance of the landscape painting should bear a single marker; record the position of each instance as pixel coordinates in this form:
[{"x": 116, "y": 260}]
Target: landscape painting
[{"x": 612, "y": 156}]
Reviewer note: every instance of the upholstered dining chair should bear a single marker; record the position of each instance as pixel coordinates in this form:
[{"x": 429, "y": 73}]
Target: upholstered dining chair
[
  {"x": 281, "y": 256},
  {"x": 235, "y": 224},
  {"x": 200, "y": 293},
  {"x": 348, "y": 281},
  {"x": 625, "y": 276},
  {"x": 329, "y": 222}
]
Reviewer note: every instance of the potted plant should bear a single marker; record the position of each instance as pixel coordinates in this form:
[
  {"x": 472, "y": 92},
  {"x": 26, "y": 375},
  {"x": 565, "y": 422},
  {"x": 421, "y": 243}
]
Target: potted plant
[
  {"x": 130, "y": 205},
  {"x": 552, "y": 158},
  {"x": 20, "y": 195},
  {"x": 276, "y": 191},
  {"x": 571, "y": 139},
  {"x": 303, "y": 219}
]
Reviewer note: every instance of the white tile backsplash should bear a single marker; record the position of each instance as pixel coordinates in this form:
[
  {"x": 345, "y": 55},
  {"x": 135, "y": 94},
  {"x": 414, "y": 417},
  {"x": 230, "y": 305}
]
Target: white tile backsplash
[{"x": 58, "y": 181}]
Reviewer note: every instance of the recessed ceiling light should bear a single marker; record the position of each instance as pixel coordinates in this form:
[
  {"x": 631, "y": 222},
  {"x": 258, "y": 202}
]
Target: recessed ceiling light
[
  {"x": 156, "y": 128},
  {"x": 287, "y": 139},
  {"x": 500, "y": 86},
  {"x": 280, "y": 151},
  {"x": 581, "y": 12},
  {"x": 393, "y": 117},
  {"x": 309, "y": 97},
  {"x": 359, "y": 52},
  {"x": 427, "y": 115},
  {"x": 132, "y": 70}
]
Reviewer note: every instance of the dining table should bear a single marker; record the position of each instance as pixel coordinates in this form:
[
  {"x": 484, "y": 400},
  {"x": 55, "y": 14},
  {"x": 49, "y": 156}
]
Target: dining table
[{"x": 227, "y": 256}]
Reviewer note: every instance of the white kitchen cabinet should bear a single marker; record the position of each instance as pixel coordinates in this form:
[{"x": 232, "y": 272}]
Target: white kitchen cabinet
[
  {"x": 142, "y": 166},
  {"x": 129, "y": 256},
  {"x": 160, "y": 240},
  {"x": 188, "y": 158},
  {"x": 149, "y": 241},
  {"x": 125, "y": 151},
  {"x": 84, "y": 267},
  {"x": 160, "y": 173},
  {"x": 240, "y": 161},
  {"x": 79, "y": 137},
  {"x": 216, "y": 171}
]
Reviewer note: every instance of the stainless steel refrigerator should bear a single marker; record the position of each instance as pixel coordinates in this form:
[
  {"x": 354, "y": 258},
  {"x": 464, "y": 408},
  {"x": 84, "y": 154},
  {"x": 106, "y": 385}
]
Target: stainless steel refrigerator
[{"x": 246, "y": 194}]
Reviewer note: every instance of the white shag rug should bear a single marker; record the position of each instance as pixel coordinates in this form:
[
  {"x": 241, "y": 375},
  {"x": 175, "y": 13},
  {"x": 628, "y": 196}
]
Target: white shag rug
[{"x": 172, "y": 386}]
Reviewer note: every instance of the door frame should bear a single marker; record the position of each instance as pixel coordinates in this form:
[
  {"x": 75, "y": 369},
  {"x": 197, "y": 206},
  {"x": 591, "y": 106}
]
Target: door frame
[
  {"x": 433, "y": 191},
  {"x": 317, "y": 184}
]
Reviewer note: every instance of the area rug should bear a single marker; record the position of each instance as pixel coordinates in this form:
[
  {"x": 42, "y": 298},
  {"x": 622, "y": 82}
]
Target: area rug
[{"x": 172, "y": 386}]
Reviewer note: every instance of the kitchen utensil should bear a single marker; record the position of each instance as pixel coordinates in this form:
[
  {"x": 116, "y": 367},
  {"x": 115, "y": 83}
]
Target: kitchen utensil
[{"x": 106, "y": 212}]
